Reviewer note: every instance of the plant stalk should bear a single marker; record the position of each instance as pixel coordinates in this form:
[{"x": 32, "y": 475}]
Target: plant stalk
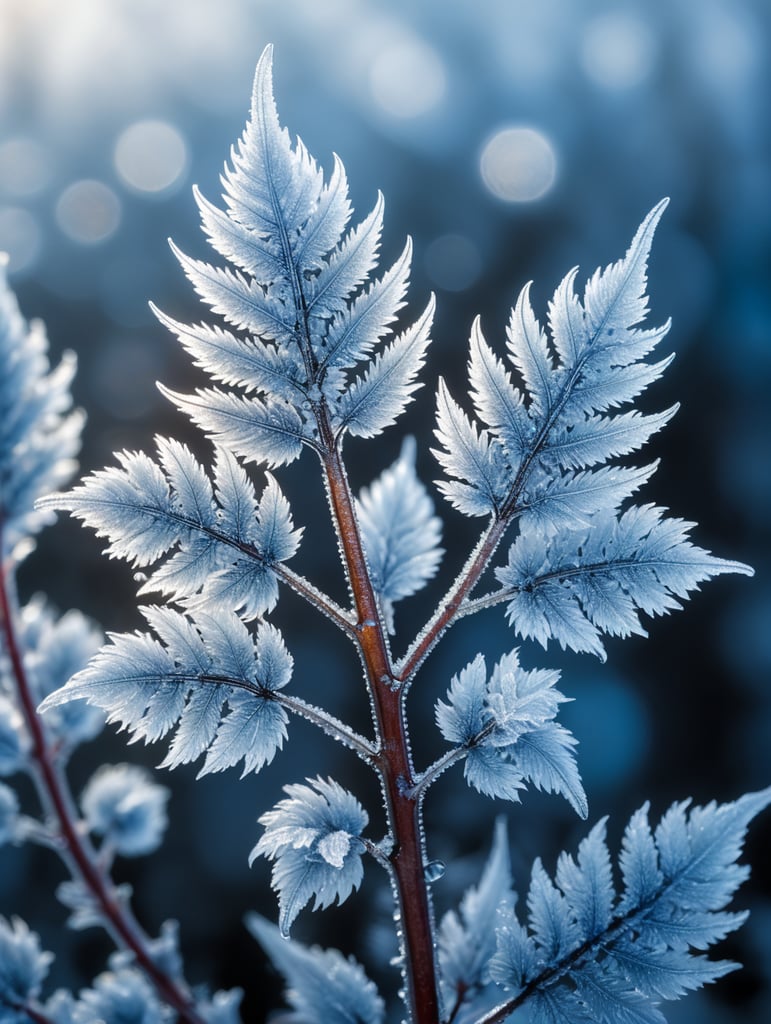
[
  {"x": 76, "y": 850},
  {"x": 393, "y": 761}
]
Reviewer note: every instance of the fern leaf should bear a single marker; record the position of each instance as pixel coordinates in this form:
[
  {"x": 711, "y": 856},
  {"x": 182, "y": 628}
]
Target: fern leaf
[
  {"x": 375, "y": 400},
  {"x": 246, "y": 362},
  {"x": 545, "y": 438},
  {"x": 184, "y": 678},
  {"x": 313, "y": 838},
  {"x": 322, "y": 987},
  {"x": 597, "y": 957},
  {"x": 474, "y": 458},
  {"x": 466, "y": 939},
  {"x": 505, "y": 722},
  {"x": 496, "y": 400},
  {"x": 400, "y": 532},
  {"x": 215, "y": 542},
  {"x": 545, "y": 757},
  {"x": 297, "y": 295},
  {"x": 529, "y": 352},
  {"x": 584, "y": 582},
  {"x": 355, "y": 332},
  {"x": 259, "y": 431},
  {"x": 347, "y": 268}
]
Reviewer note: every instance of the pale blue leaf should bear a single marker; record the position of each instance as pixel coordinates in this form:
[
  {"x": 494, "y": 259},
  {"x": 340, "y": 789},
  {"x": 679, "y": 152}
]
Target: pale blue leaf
[
  {"x": 492, "y": 775},
  {"x": 375, "y": 400},
  {"x": 468, "y": 454},
  {"x": 260, "y": 431},
  {"x": 588, "y": 883},
  {"x": 466, "y": 939},
  {"x": 347, "y": 268},
  {"x": 400, "y": 532},
  {"x": 313, "y": 839},
  {"x": 496, "y": 401},
  {"x": 551, "y": 921},
  {"x": 118, "y": 997},
  {"x": 578, "y": 583},
  {"x": 529, "y": 352},
  {"x": 245, "y": 362},
  {"x": 353, "y": 334},
  {"x": 253, "y": 730},
  {"x": 207, "y": 676},
  {"x": 23, "y": 964},
  {"x": 39, "y": 432},
  {"x": 545, "y": 758},
  {"x": 465, "y": 714},
  {"x": 322, "y": 987},
  {"x": 620, "y": 957},
  {"x": 122, "y": 804}
]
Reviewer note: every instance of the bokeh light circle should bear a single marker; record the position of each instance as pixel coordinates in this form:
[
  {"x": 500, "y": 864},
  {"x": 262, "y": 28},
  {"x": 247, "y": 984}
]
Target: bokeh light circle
[
  {"x": 407, "y": 79},
  {"x": 151, "y": 156},
  {"x": 88, "y": 212},
  {"x": 518, "y": 164},
  {"x": 618, "y": 51}
]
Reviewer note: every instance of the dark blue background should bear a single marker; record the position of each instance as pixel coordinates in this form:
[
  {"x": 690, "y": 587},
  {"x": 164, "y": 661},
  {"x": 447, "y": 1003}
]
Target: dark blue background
[{"x": 636, "y": 100}]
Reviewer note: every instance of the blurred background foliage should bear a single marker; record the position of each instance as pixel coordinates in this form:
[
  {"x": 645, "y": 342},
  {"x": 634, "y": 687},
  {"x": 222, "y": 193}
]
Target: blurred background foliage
[{"x": 513, "y": 139}]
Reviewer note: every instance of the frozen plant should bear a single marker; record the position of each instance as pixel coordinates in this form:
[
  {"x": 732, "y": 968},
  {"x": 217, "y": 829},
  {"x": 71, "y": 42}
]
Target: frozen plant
[{"x": 309, "y": 355}]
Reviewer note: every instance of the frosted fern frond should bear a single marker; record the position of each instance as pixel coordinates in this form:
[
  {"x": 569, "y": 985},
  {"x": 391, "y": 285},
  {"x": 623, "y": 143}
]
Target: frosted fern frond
[
  {"x": 505, "y": 722},
  {"x": 322, "y": 986},
  {"x": 216, "y": 542},
  {"x": 39, "y": 432},
  {"x": 299, "y": 296},
  {"x": 587, "y": 954},
  {"x": 313, "y": 838},
  {"x": 206, "y": 675},
  {"x": 533, "y": 456},
  {"x": 466, "y": 939},
  {"x": 578, "y": 584},
  {"x": 399, "y": 530}
]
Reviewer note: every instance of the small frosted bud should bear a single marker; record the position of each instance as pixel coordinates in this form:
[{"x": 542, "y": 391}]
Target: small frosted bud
[{"x": 123, "y": 804}]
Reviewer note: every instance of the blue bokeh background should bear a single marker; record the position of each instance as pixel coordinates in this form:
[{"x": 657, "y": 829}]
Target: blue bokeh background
[{"x": 109, "y": 112}]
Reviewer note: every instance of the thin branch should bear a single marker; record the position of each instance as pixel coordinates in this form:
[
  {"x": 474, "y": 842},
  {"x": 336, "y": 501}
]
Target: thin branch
[
  {"x": 432, "y": 773},
  {"x": 329, "y": 724},
  {"x": 76, "y": 849},
  {"x": 449, "y": 608},
  {"x": 394, "y": 762}
]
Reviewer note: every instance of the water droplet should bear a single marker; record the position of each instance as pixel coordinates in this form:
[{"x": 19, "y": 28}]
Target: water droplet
[
  {"x": 140, "y": 577},
  {"x": 434, "y": 870}
]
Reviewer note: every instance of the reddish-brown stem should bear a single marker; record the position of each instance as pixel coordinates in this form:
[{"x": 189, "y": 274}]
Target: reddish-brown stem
[
  {"x": 393, "y": 760},
  {"x": 75, "y": 848}
]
